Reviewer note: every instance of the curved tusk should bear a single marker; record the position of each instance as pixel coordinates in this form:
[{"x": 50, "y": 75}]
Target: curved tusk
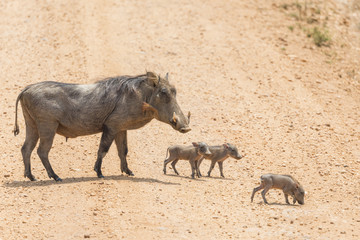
[{"x": 174, "y": 117}]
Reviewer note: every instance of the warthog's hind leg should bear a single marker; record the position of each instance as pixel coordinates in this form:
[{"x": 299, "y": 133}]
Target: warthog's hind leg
[
  {"x": 255, "y": 190},
  {"x": 173, "y": 166},
  {"x": 168, "y": 160},
  {"x": 47, "y": 132},
  {"x": 31, "y": 140},
  {"x": 263, "y": 192}
]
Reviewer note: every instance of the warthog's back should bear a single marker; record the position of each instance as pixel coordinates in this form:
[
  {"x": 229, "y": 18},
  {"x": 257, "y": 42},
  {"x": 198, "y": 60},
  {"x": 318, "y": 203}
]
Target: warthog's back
[
  {"x": 183, "y": 152},
  {"x": 277, "y": 181},
  {"x": 79, "y": 109}
]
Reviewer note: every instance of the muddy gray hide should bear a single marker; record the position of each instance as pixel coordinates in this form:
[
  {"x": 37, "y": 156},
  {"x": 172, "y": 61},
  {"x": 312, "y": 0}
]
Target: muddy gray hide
[{"x": 111, "y": 106}]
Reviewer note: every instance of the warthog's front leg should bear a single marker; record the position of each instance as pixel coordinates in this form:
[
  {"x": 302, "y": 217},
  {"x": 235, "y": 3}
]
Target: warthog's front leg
[
  {"x": 121, "y": 143},
  {"x": 197, "y": 169},
  {"x": 193, "y": 168},
  {"x": 211, "y": 167},
  {"x": 221, "y": 168},
  {"x": 286, "y": 198},
  {"x": 106, "y": 140},
  {"x": 198, "y": 165}
]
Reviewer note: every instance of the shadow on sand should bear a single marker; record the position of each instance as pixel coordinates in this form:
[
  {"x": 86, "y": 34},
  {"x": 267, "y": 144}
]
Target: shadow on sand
[
  {"x": 27, "y": 183},
  {"x": 279, "y": 204},
  {"x": 220, "y": 178},
  {"x": 185, "y": 177}
]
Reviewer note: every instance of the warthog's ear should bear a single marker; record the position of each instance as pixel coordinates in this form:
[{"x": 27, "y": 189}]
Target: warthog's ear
[
  {"x": 296, "y": 186},
  {"x": 195, "y": 144},
  {"x": 153, "y": 78},
  {"x": 226, "y": 145},
  {"x": 167, "y": 76}
]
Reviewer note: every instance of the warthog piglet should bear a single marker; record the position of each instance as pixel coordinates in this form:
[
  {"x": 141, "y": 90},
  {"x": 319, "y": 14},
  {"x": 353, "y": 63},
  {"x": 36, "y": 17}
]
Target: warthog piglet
[
  {"x": 218, "y": 155},
  {"x": 192, "y": 153},
  {"x": 287, "y": 183}
]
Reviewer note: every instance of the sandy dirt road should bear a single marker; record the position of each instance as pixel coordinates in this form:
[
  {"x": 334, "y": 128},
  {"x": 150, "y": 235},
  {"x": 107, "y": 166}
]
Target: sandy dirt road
[{"x": 247, "y": 78}]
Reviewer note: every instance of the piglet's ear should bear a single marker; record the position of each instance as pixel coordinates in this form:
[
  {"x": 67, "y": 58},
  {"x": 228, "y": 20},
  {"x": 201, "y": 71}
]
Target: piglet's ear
[
  {"x": 225, "y": 145},
  {"x": 296, "y": 186},
  {"x": 195, "y": 144}
]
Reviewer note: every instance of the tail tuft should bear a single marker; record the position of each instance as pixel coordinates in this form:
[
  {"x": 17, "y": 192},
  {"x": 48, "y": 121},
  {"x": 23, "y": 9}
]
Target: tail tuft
[{"x": 16, "y": 130}]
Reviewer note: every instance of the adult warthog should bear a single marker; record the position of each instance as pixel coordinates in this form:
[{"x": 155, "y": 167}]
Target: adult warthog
[{"x": 111, "y": 106}]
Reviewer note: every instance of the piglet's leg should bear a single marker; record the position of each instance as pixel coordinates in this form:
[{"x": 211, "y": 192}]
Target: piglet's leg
[
  {"x": 211, "y": 167},
  {"x": 266, "y": 189},
  {"x": 221, "y": 169},
  {"x": 286, "y": 198}
]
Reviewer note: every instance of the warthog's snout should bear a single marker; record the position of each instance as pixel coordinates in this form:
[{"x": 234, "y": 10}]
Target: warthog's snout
[
  {"x": 239, "y": 156},
  {"x": 207, "y": 153},
  {"x": 185, "y": 129},
  {"x": 175, "y": 121}
]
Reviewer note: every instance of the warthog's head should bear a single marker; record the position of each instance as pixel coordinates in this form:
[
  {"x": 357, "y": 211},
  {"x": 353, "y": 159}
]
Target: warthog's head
[
  {"x": 163, "y": 100},
  {"x": 299, "y": 194},
  {"x": 202, "y": 148},
  {"x": 232, "y": 151}
]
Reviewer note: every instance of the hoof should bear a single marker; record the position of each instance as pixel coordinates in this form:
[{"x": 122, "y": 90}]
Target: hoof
[
  {"x": 99, "y": 174},
  {"x": 58, "y": 179},
  {"x": 129, "y": 172},
  {"x": 32, "y": 178}
]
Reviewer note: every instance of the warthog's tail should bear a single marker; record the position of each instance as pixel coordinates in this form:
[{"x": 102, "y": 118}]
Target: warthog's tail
[
  {"x": 16, "y": 130},
  {"x": 167, "y": 153}
]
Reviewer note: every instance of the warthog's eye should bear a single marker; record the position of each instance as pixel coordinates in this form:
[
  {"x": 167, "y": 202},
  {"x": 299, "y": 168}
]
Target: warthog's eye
[{"x": 164, "y": 95}]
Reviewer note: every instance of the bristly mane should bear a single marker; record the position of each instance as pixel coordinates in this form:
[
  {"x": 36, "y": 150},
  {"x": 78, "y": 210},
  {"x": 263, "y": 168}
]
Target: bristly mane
[{"x": 122, "y": 83}]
